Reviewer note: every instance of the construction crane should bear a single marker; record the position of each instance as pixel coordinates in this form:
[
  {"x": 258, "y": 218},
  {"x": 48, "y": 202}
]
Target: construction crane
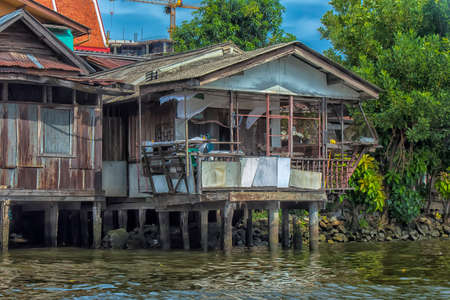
[{"x": 171, "y": 6}]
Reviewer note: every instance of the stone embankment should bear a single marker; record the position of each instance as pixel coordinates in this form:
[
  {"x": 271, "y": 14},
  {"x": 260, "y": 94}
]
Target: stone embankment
[{"x": 332, "y": 230}]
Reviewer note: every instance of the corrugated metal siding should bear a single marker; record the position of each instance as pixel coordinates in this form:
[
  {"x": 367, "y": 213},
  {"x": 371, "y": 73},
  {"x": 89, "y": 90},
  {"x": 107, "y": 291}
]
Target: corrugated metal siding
[
  {"x": 8, "y": 135},
  {"x": 57, "y": 130},
  {"x": 28, "y": 141},
  {"x": 84, "y": 141}
]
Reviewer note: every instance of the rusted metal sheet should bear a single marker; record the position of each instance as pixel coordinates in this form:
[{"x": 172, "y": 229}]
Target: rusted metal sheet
[
  {"x": 64, "y": 174},
  {"x": 306, "y": 179},
  {"x": 85, "y": 135},
  {"x": 89, "y": 178},
  {"x": 115, "y": 178},
  {"x": 49, "y": 175},
  {"x": 14, "y": 59},
  {"x": 8, "y": 135},
  {"x": 98, "y": 139},
  {"x": 76, "y": 179},
  {"x": 221, "y": 174},
  {"x": 28, "y": 137},
  {"x": 137, "y": 182},
  {"x": 8, "y": 178},
  {"x": 27, "y": 178},
  {"x": 56, "y": 131}
]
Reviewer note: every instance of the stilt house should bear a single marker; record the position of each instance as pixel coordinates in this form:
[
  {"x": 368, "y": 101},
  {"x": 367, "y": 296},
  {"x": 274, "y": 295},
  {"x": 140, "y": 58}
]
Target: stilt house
[
  {"x": 50, "y": 137},
  {"x": 220, "y": 128}
]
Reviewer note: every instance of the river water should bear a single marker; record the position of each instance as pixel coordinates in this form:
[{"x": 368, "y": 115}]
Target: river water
[{"x": 395, "y": 270}]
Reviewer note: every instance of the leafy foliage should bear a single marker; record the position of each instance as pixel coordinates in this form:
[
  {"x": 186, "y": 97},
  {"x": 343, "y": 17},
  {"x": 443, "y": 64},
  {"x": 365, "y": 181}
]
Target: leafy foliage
[
  {"x": 403, "y": 47},
  {"x": 442, "y": 185},
  {"x": 249, "y": 24},
  {"x": 368, "y": 185}
]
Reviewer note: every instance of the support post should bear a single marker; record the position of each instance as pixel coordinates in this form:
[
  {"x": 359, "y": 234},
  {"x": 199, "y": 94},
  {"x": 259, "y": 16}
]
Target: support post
[
  {"x": 274, "y": 221},
  {"x": 219, "y": 221},
  {"x": 164, "y": 230},
  {"x": 249, "y": 231},
  {"x": 123, "y": 218},
  {"x": 228, "y": 212},
  {"x": 291, "y": 126},
  {"x": 5, "y": 207},
  {"x": 184, "y": 224},
  {"x": 108, "y": 221},
  {"x": 4, "y": 92},
  {"x": 97, "y": 224},
  {"x": 231, "y": 122},
  {"x": 285, "y": 228},
  {"x": 142, "y": 219},
  {"x": 297, "y": 234},
  {"x": 267, "y": 125},
  {"x": 51, "y": 225},
  {"x": 84, "y": 226},
  {"x": 313, "y": 226},
  {"x": 204, "y": 229}
]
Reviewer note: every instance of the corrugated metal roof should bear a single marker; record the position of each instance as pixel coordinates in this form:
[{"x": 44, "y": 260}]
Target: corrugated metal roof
[
  {"x": 13, "y": 59},
  {"x": 108, "y": 63}
]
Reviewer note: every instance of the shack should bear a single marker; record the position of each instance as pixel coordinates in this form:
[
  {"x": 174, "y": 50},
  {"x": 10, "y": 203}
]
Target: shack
[
  {"x": 218, "y": 129},
  {"x": 50, "y": 138}
]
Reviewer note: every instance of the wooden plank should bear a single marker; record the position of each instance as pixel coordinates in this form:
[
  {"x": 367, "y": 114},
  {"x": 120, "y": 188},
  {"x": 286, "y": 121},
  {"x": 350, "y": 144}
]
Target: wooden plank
[
  {"x": 27, "y": 133},
  {"x": 285, "y": 228},
  {"x": 277, "y": 196},
  {"x": 228, "y": 212},
  {"x": 4, "y": 230},
  {"x": 249, "y": 229},
  {"x": 51, "y": 225},
  {"x": 184, "y": 220},
  {"x": 204, "y": 229},
  {"x": 313, "y": 226},
  {"x": 274, "y": 221},
  {"x": 8, "y": 135},
  {"x": 97, "y": 224},
  {"x": 164, "y": 230}
]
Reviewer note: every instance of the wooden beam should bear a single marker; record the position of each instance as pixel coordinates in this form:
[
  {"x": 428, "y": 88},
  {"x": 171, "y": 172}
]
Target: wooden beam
[
  {"x": 164, "y": 230},
  {"x": 231, "y": 120},
  {"x": 4, "y": 230},
  {"x": 97, "y": 224},
  {"x": 51, "y": 225},
  {"x": 249, "y": 229},
  {"x": 274, "y": 221},
  {"x": 313, "y": 226},
  {"x": 297, "y": 240},
  {"x": 278, "y": 196},
  {"x": 285, "y": 228},
  {"x": 228, "y": 212},
  {"x": 184, "y": 224},
  {"x": 267, "y": 125},
  {"x": 291, "y": 126},
  {"x": 84, "y": 226},
  {"x": 204, "y": 229}
]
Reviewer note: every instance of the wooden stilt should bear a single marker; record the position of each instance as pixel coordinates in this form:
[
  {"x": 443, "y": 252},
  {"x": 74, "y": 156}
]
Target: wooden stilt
[
  {"x": 51, "y": 225},
  {"x": 228, "y": 212},
  {"x": 164, "y": 230},
  {"x": 204, "y": 229},
  {"x": 285, "y": 228},
  {"x": 219, "y": 220},
  {"x": 184, "y": 224},
  {"x": 313, "y": 226},
  {"x": 273, "y": 228},
  {"x": 75, "y": 224},
  {"x": 97, "y": 224},
  {"x": 142, "y": 220},
  {"x": 249, "y": 231},
  {"x": 108, "y": 221},
  {"x": 123, "y": 218},
  {"x": 4, "y": 233},
  {"x": 84, "y": 228},
  {"x": 297, "y": 240}
]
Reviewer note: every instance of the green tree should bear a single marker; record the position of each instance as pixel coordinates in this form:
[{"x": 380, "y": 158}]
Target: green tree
[
  {"x": 403, "y": 47},
  {"x": 249, "y": 24}
]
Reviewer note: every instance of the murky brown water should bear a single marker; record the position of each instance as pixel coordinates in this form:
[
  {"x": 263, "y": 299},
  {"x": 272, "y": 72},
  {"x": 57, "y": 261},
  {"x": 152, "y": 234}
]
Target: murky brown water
[{"x": 419, "y": 270}]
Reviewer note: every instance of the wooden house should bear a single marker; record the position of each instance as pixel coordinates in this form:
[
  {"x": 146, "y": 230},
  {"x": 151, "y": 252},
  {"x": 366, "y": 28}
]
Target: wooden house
[
  {"x": 218, "y": 128},
  {"x": 50, "y": 137}
]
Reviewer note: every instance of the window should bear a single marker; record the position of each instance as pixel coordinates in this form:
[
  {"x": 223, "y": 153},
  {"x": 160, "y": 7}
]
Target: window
[{"x": 56, "y": 131}]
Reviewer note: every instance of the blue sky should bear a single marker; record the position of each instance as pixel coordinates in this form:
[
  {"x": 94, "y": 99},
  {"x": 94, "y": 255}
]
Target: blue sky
[{"x": 302, "y": 18}]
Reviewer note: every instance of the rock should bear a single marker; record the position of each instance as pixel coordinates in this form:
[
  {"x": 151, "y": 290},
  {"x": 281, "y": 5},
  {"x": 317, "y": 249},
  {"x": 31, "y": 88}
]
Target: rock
[
  {"x": 116, "y": 239},
  {"x": 446, "y": 229},
  {"x": 425, "y": 220},
  {"x": 445, "y": 236},
  {"x": 339, "y": 237},
  {"x": 322, "y": 238},
  {"x": 330, "y": 242},
  {"x": 414, "y": 235},
  {"x": 388, "y": 238},
  {"x": 342, "y": 228},
  {"x": 397, "y": 231},
  {"x": 323, "y": 225},
  {"x": 334, "y": 231},
  {"x": 380, "y": 236},
  {"x": 423, "y": 229},
  {"x": 435, "y": 233}
]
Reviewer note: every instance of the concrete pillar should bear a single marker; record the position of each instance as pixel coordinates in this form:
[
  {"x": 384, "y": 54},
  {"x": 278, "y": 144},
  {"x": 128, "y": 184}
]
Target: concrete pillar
[
  {"x": 249, "y": 231},
  {"x": 297, "y": 240},
  {"x": 219, "y": 221},
  {"x": 4, "y": 232},
  {"x": 142, "y": 219},
  {"x": 108, "y": 221},
  {"x": 97, "y": 224},
  {"x": 274, "y": 221},
  {"x": 51, "y": 225},
  {"x": 164, "y": 230},
  {"x": 84, "y": 228},
  {"x": 313, "y": 226},
  {"x": 285, "y": 228},
  {"x": 228, "y": 212},
  {"x": 123, "y": 218},
  {"x": 204, "y": 229},
  {"x": 184, "y": 224}
]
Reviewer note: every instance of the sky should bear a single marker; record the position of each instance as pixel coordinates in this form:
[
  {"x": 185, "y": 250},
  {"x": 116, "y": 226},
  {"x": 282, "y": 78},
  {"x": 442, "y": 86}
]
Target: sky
[{"x": 302, "y": 18}]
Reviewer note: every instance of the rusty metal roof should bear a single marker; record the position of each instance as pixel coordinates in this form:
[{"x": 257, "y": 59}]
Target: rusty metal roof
[
  {"x": 108, "y": 63},
  {"x": 29, "y": 61}
]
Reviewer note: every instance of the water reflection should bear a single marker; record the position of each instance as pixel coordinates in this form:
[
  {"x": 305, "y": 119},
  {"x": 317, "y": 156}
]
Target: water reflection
[{"x": 387, "y": 270}]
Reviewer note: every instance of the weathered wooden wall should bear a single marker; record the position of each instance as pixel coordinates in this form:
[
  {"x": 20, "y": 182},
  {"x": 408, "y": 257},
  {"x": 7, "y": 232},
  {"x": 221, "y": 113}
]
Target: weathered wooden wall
[{"x": 23, "y": 163}]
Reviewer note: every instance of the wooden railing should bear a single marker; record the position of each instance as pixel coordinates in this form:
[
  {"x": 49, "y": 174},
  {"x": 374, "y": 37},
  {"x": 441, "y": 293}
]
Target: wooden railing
[{"x": 335, "y": 172}]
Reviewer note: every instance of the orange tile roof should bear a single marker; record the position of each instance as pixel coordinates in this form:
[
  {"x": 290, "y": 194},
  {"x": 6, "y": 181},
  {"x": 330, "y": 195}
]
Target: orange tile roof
[{"x": 85, "y": 12}]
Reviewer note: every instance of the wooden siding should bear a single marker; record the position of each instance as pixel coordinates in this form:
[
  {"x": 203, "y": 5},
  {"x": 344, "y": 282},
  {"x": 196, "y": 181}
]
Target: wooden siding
[{"x": 23, "y": 161}]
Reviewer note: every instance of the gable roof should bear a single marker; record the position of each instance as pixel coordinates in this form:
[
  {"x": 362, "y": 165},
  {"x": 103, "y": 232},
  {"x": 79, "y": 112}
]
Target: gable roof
[
  {"x": 68, "y": 57},
  {"x": 86, "y": 12},
  {"x": 44, "y": 14},
  {"x": 197, "y": 68}
]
